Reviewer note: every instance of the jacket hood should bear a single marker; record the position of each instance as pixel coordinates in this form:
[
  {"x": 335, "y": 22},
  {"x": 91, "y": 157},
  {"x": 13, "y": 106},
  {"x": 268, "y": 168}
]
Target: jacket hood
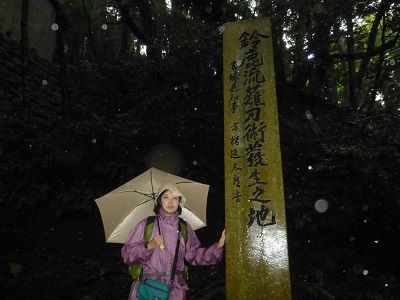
[{"x": 173, "y": 188}]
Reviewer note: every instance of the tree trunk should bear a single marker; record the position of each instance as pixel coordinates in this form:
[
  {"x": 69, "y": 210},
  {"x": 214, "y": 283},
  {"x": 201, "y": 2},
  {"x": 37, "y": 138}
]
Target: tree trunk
[
  {"x": 24, "y": 42},
  {"x": 91, "y": 38},
  {"x": 300, "y": 72},
  {"x": 370, "y": 102},
  {"x": 59, "y": 55},
  {"x": 370, "y": 46},
  {"x": 278, "y": 44},
  {"x": 123, "y": 51},
  {"x": 351, "y": 86}
]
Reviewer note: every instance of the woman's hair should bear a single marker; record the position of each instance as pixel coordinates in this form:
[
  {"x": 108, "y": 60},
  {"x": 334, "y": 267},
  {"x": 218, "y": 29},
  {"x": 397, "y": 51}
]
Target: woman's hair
[{"x": 157, "y": 205}]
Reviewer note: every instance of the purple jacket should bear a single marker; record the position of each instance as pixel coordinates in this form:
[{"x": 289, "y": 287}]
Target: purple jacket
[{"x": 156, "y": 261}]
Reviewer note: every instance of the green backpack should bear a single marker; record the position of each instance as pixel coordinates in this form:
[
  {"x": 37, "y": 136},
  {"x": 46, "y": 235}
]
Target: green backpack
[{"x": 135, "y": 270}]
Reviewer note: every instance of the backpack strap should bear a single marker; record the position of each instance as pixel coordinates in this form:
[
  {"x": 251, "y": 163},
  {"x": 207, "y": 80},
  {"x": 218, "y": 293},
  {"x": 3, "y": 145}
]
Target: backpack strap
[{"x": 148, "y": 229}]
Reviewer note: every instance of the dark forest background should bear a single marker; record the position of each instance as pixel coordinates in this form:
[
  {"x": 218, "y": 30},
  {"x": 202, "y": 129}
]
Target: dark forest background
[{"x": 106, "y": 89}]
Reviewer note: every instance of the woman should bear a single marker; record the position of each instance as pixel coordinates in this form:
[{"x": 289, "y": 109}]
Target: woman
[{"x": 158, "y": 254}]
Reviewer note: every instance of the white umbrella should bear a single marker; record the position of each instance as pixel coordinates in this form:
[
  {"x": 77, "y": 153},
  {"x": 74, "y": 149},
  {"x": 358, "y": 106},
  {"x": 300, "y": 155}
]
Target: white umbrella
[{"x": 124, "y": 207}]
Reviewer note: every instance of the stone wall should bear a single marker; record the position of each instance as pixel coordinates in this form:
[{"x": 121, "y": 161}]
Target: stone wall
[
  {"x": 41, "y": 16},
  {"x": 40, "y": 79}
]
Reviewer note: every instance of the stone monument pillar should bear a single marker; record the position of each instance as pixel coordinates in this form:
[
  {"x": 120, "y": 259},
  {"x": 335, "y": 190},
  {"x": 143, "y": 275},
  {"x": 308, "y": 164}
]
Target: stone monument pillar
[{"x": 257, "y": 263}]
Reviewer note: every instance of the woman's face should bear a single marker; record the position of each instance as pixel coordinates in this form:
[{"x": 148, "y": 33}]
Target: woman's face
[{"x": 169, "y": 202}]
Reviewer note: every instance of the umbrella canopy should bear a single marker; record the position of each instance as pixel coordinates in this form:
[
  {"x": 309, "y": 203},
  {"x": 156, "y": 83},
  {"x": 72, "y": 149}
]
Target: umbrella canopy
[{"x": 124, "y": 207}]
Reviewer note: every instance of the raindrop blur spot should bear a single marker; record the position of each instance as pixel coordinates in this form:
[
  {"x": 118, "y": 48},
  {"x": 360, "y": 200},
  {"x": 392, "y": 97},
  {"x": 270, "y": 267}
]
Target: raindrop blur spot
[
  {"x": 365, "y": 207},
  {"x": 365, "y": 221},
  {"x": 376, "y": 242},
  {"x": 104, "y": 27},
  {"x": 352, "y": 238},
  {"x": 221, "y": 29},
  {"x": 308, "y": 115},
  {"x": 365, "y": 272},
  {"x": 310, "y": 168},
  {"x": 44, "y": 82},
  {"x": 195, "y": 162},
  {"x": 239, "y": 62},
  {"x": 176, "y": 88},
  {"x": 195, "y": 108},
  {"x": 94, "y": 141},
  {"x": 185, "y": 85},
  {"x": 54, "y": 26},
  {"x": 321, "y": 205},
  {"x": 392, "y": 62},
  {"x": 310, "y": 56},
  {"x": 386, "y": 285}
]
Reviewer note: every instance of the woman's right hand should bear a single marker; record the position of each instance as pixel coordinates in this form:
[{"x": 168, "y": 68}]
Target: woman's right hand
[{"x": 155, "y": 242}]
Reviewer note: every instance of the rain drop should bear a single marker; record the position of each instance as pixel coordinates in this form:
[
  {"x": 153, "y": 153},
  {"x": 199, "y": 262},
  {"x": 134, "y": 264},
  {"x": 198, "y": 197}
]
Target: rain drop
[
  {"x": 392, "y": 62},
  {"x": 310, "y": 56},
  {"x": 104, "y": 27},
  {"x": 221, "y": 29},
  {"x": 54, "y": 26},
  {"x": 365, "y": 207},
  {"x": 185, "y": 85},
  {"x": 176, "y": 88},
  {"x": 195, "y": 162},
  {"x": 376, "y": 241},
  {"x": 44, "y": 82},
  {"x": 365, "y": 272},
  {"x": 386, "y": 285},
  {"x": 310, "y": 168},
  {"x": 195, "y": 108},
  {"x": 239, "y": 62},
  {"x": 352, "y": 238},
  {"x": 321, "y": 205},
  {"x": 308, "y": 115},
  {"x": 94, "y": 141}
]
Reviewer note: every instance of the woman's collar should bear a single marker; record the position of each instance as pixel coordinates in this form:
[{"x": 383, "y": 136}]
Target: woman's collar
[{"x": 166, "y": 217}]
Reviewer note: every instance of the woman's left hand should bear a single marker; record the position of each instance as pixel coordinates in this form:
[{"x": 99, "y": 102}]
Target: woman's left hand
[{"x": 221, "y": 241}]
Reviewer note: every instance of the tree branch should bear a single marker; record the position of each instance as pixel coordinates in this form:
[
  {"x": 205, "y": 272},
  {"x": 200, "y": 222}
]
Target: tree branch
[
  {"x": 129, "y": 22},
  {"x": 373, "y": 52}
]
